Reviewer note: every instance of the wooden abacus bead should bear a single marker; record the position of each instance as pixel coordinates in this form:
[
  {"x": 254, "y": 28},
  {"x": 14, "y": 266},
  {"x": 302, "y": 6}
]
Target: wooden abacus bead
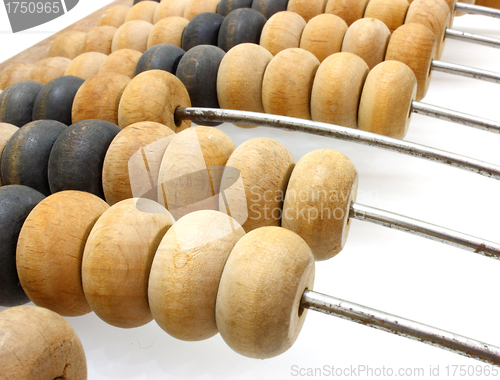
[
  {"x": 72, "y": 165},
  {"x": 240, "y": 76},
  {"x": 282, "y": 31},
  {"x": 186, "y": 272},
  {"x": 17, "y": 102},
  {"x": 48, "y": 69},
  {"x": 168, "y": 31},
  {"x": 69, "y": 45},
  {"x": 323, "y": 35},
  {"x": 347, "y": 10},
  {"x": 15, "y": 73},
  {"x": 194, "y": 7},
  {"x": 122, "y": 61},
  {"x": 99, "y": 98},
  {"x": 415, "y": 45},
  {"x": 50, "y": 250},
  {"x": 243, "y": 25},
  {"x": 367, "y": 38},
  {"x": 143, "y": 10},
  {"x": 435, "y": 15},
  {"x": 197, "y": 70},
  {"x": 385, "y": 105},
  {"x": 114, "y": 16},
  {"x": 307, "y": 8},
  {"x": 488, "y": 3},
  {"x": 321, "y": 189},
  {"x": 287, "y": 84},
  {"x": 160, "y": 57},
  {"x": 391, "y": 12},
  {"x": 132, "y": 162},
  {"x": 165, "y": 92},
  {"x": 254, "y": 183},
  {"x": 170, "y": 8},
  {"x": 203, "y": 29},
  {"x": 26, "y": 156},
  {"x": 99, "y": 39},
  {"x": 132, "y": 35},
  {"x": 191, "y": 170},
  {"x": 117, "y": 260},
  {"x": 227, "y": 6},
  {"x": 269, "y": 7},
  {"x": 337, "y": 89},
  {"x": 258, "y": 310},
  {"x": 86, "y": 65},
  {"x": 6, "y": 132},
  {"x": 16, "y": 202},
  {"x": 55, "y": 100},
  {"x": 39, "y": 344}
]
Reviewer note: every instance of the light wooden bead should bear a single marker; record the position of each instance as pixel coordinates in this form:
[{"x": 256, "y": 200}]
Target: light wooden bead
[
  {"x": 86, "y": 65},
  {"x": 170, "y": 8},
  {"x": 69, "y": 45},
  {"x": 195, "y": 7},
  {"x": 168, "y": 31},
  {"x": 122, "y": 61},
  {"x": 114, "y": 16},
  {"x": 254, "y": 183},
  {"x": 143, "y": 10},
  {"x": 99, "y": 39},
  {"x": 117, "y": 261},
  {"x": 287, "y": 84},
  {"x": 132, "y": 35},
  {"x": 282, "y": 31},
  {"x": 367, "y": 38},
  {"x": 385, "y": 106},
  {"x": 347, "y": 10},
  {"x": 415, "y": 45},
  {"x": 321, "y": 189},
  {"x": 50, "y": 249},
  {"x": 323, "y": 35},
  {"x": 165, "y": 92},
  {"x": 191, "y": 170},
  {"x": 240, "y": 76},
  {"x": 132, "y": 162},
  {"x": 307, "y": 8},
  {"x": 99, "y": 98},
  {"x": 15, "y": 73},
  {"x": 6, "y": 132},
  {"x": 391, "y": 12},
  {"x": 433, "y": 14},
  {"x": 48, "y": 69},
  {"x": 39, "y": 344},
  {"x": 186, "y": 272},
  {"x": 258, "y": 310},
  {"x": 337, "y": 89}
]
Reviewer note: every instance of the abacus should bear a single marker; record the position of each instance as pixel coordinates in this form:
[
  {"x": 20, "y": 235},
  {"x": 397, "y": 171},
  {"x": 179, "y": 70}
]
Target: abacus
[{"x": 316, "y": 143}]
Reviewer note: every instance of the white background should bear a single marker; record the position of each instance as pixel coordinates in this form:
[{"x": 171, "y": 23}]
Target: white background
[{"x": 388, "y": 270}]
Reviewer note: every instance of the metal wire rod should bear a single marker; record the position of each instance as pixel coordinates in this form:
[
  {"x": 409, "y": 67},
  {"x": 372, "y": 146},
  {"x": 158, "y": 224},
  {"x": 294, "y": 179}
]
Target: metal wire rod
[
  {"x": 426, "y": 230},
  {"x": 401, "y": 326},
  {"x": 340, "y": 133},
  {"x": 473, "y": 38},
  {"x": 477, "y": 10},
  {"x": 455, "y": 117},
  {"x": 465, "y": 71}
]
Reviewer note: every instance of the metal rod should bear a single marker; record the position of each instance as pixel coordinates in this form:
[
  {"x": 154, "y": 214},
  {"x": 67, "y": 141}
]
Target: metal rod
[
  {"x": 465, "y": 71},
  {"x": 401, "y": 326},
  {"x": 477, "y": 10},
  {"x": 473, "y": 38},
  {"x": 426, "y": 230},
  {"x": 340, "y": 133},
  {"x": 455, "y": 117}
]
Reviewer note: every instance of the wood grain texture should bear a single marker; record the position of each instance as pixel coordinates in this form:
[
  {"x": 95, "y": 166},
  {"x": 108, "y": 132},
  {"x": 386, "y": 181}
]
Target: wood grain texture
[
  {"x": 391, "y": 12},
  {"x": 41, "y": 49}
]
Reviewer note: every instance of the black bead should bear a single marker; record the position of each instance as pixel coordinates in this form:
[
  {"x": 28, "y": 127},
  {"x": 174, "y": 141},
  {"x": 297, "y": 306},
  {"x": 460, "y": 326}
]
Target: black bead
[
  {"x": 203, "y": 29},
  {"x": 17, "y": 102},
  {"x": 241, "y": 26},
  {"x": 160, "y": 57}
]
